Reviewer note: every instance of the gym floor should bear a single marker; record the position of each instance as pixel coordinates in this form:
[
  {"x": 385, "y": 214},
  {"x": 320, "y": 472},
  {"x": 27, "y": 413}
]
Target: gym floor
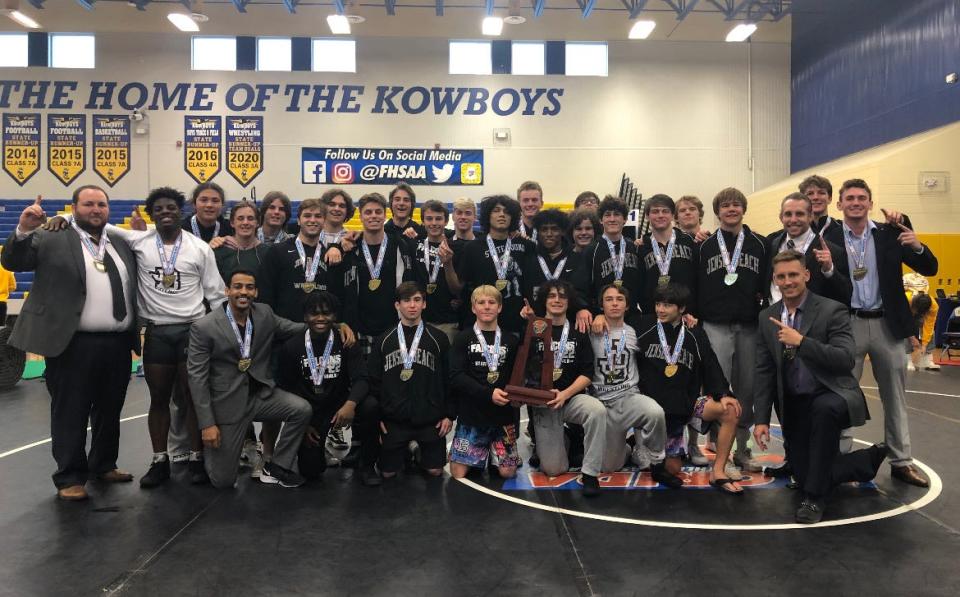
[{"x": 417, "y": 536}]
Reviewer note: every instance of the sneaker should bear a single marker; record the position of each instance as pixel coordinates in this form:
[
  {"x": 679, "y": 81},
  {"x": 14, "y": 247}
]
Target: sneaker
[
  {"x": 257, "y": 467},
  {"x": 198, "y": 473},
  {"x": 591, "y": 485},
  {"x": 744, "y": 460},
  {"x": 810, "y": 511},
  {"x": 249, "y": 454},
  {"x": 158, "y": 473},
  {"x": 180, "y": 457},
  {"x": 335, "y": 439},
  {"x": 732, "y": 471},
  {"x": 662, "y": 476},
  {"x": 910, "y": 367},
  {"x": 274, "y": 474},
  {"x": 928, "y": 363},
  {"x": 641, "y": 457},
  {"x": 370, "y": 477},
  {"x": 694, "y": 454}
]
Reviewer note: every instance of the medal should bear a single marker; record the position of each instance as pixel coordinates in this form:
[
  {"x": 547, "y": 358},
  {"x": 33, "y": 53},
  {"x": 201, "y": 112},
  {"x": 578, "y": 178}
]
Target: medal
[
  {"x": 97, "y": 252},
  {"x": 374, "y": 269},
  {"x": 317, "y": 369},
  {"x": 316, "y": 389},
  {"x": 501, "y": 264},
  {"x": 169, "y": 280},
  {"x": 859, "y": 273},
  {"x": 557, "y": 373},
  {"x": 501, "y": 284},
  {"x": 195, "y": 227},
  {"x": 492, "y": 377},
  {"x": 610, "y": 378},
  {"x": 663, "y": 280},
  {"x": 671, "y": 357},
  {"x": 859, "y": 256},
  {"x": 491, "y": 354},
  {"x": 100, "y": 267},
  {"x": 310, "y": 266},
  {"x": 558, "y": 353},
  {"x": 730, "y": 263},
  {"x": 618, "y": 260},
  {"x": 244, "y": 342},
  {"x": 432, "y": 272},
  {"x": 244, "y": 364},
  {"x": 431, "y": 288},
  {"x": 618, "y": 283},
  {"x": 785, "y": 318},
  {"x": 169, "y": 265},
  {"x": 547, "y": 274},
  {"x": 663, "y": 261},
  {"x": 308, "y": 287},
  {"x": 789, "y": 353},
  {"x": 410, "y": 354}
]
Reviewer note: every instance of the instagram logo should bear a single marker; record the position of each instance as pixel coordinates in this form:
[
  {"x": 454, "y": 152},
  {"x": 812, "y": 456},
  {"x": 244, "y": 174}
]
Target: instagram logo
[{"x": 342, "y": 173}]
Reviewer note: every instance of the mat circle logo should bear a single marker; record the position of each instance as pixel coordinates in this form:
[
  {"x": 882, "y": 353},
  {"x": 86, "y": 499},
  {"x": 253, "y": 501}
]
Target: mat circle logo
[{"x": 342, "y": 173}]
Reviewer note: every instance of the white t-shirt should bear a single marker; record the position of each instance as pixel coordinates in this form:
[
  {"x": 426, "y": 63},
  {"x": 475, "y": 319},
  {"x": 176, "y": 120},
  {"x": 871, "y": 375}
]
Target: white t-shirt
[{"x": 622, "y": 377}]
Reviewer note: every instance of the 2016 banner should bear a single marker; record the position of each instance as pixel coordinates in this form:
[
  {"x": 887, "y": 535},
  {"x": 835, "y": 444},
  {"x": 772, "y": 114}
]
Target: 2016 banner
[
  {"x": 244, "y": 139},
  {"x": 66, "y": 146},
  {"x": 354, "y": 165},
  {"x": 201, "y": 147},
  {"x": 21, "y": 146},
  {"x": 111, "y": 147}
]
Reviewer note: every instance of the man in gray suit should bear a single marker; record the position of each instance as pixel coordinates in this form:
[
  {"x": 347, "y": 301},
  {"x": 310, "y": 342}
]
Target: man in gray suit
[
  {"x": 805, "y": 361},
  {"x": 80, "y": 316},
  {"x": 231, "y": 382}
]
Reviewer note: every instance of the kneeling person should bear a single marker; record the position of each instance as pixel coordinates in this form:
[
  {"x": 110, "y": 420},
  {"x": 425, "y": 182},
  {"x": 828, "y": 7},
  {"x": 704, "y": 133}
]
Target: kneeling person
[
  {"x": 228, "y": 364},
  {"x": 480, "y": 365}
]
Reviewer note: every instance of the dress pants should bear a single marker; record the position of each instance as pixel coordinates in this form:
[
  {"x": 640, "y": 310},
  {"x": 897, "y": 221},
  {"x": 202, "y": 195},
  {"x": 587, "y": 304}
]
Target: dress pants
[
  {"x": 294, "y": 411},
  {"x": 735, "y": 345},
  {"x": 87, "y": 381},
  {"x": 582, "y": 409},
  {"x": 811, "y": 430}
]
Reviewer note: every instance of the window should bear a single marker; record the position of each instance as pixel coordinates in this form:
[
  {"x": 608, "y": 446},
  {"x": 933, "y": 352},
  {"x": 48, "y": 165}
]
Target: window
[
  {"x": 527, "y": 58},
  {"x": 13, "y": 49},
  {"x": 274, "y": 53},
  {"x": 586, "y": 59},
  {"x": 72, "y": 50},
  {"x": 334, "y": 56},
  {"x": 213, "y": 53},
  {"x": 470, "y": 58}
]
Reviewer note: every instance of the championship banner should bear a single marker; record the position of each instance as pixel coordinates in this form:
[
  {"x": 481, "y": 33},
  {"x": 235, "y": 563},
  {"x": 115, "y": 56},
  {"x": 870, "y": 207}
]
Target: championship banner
[
  {"x": 387, "y": 166},
  {"x": 201, "y": 147},
  {"x": 111, "y": 147},
  {"x": 21, "y": 146},
  {"x": 66, "y": 146},
  {"x": 244, "y": 147}
]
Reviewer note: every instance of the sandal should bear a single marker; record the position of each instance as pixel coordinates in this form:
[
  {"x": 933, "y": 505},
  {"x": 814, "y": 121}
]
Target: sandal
[{"x": 724, "y": 485}]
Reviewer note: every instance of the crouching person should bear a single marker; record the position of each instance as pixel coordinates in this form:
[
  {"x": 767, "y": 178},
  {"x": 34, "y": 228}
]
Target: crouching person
[{"x": 228, "y": 365}]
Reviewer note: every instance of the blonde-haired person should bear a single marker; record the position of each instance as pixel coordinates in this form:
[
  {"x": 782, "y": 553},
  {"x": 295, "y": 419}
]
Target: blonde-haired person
[
  {"x": 924, "y": 309},
  {"x": 8, "y": 284},
  {"x": 464, "y": 217}
]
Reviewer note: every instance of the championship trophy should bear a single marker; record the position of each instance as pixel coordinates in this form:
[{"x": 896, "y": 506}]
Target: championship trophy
[{"x": 516, "y": 391}]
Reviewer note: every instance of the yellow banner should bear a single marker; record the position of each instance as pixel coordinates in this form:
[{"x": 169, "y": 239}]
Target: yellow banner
[
  {"x": 244, "y": 141},
  {"x": 21, "y": 146},
  {"x": 111, "y": 147},
  {"x": 201, "y": 147},
  {"x": 66, "y": 146}
]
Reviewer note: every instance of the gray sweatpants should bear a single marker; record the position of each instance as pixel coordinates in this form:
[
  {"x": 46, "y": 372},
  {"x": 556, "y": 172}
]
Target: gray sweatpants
[
  {"x": 582, "y": 409},
  {"x": 294, "y": 411},
  {"x": 640, "y": 413},
  {"x": 735, "y": 345}
]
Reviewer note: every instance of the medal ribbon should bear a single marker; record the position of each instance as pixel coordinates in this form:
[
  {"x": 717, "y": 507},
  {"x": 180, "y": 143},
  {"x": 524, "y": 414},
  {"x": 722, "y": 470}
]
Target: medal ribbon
[
  {"x": 281, "y": 236},
  {"x": 674, "y": 356},
  {"x": 608, "y": 346},
  {"x": 546, "y": 270},
  {"x": 562, "y": 346},
  {"x": 98, "y": 252},
  {"x": 433, "y": 273},
  {"x": 618, "y": 260},
  {"x": 195, "y": 226},
  {"x": 501, "y": 264},
  {"x": 317, "y": 371},
  {"x": 491, "y": 356},
  {"x": 169, "y": 266},
  {"x": 244, "y": 342},
  {"x": 826, "y": 225},
  {"x": 663, "y": 263},
  {"x": 374, "y": 269},
  {"x": 728, "y": 263},
  {"x": 309, "y": 273},
  {"x": 408, "y": 355},
  {"x": 859, "y": 255}
]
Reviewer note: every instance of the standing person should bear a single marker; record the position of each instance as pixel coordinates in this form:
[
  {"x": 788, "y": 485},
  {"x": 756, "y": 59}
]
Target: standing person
[
  {"x": 436, "y": 266},
  {"x": 80, "y": 316},
  {"x": 409, "y": 377},
  {"x": 402, "y": 202},
  {"x": 584, "y": 229},
  {"x": 481, "y": 360},
  {"x": 554, "y": 259},
  {"x": 587, "y": 200},
  {"x": 804, "y": 362},
  {"x": 339, "y": 211},
  {"x": 495, "y": 258},
  {"x": 820, "y": 193},
  {"x": 207, "y": 222},
  {"x": 464, "y": 217},
  {"x": 690, "y": 217},
  {"x": 244, "y": 249},
  {"x": 730, "y": 285},
  {"x": 530, "y": 197},
  {"x": 275, "y": 213},
  {"x": 881, "y": 316},
  {"x": 8, "y": 284},
  {"x": 668, "y": 255},
  {"x": 924, "y": 310},
  {"x": 232, "y": 384}
]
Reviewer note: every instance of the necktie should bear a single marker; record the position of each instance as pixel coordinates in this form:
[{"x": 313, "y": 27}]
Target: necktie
[
  {"x": 116, "y": 287},
  {"x": 790, "y": 244}
]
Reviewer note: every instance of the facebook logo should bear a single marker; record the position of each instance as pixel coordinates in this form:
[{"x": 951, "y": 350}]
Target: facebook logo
[{"x": 314, "y": 172}]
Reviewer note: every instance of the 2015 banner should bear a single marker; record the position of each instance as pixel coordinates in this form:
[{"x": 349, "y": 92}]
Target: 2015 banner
[
  {"x": 66, "y": 146},
  {"x": 111, "y": 147},
  {"x": 386, "y": 166},
  {"x": 244, "y": 139},
  {"x": 21, "y": 146},
  {"x": 201, "y": 147}
]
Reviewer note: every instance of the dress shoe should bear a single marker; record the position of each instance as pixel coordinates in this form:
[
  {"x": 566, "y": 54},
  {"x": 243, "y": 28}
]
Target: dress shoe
[
  {"x": 115, "y": 476},
  {"x": 662, "y": 476},
  {"x": 72, "y": 493},
  {"x": 878, "y": 452},
  {"x": 810, "y": 511},
  {"x": 198, "y": 473},
  {"x": 158, "y": 473},
  {"x": 591, "y": 485},
  {"x": 783, "y": 471},
  {"x": 909, "y": 474}
]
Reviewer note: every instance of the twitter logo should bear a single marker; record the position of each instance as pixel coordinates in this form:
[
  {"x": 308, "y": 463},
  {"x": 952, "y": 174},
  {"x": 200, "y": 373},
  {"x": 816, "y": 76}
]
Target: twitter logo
[{"x": 442, "y": 174}]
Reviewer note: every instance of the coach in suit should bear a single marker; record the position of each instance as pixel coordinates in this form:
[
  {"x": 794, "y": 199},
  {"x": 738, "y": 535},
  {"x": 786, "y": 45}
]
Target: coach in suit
[
  {"x": 228, "y": 366},
  {"x": 826, "y": 261},
  {"x": 804, "y": 363},
  {"x": 881, "y": 317},
  {"x": 80, "y": 316}
]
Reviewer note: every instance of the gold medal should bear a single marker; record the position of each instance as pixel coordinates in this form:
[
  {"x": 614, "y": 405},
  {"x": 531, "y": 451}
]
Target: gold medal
[
  {"x": 431, "y": 288},
  {"x": 539, "y": 326},
  {"x": 373, "y": 284},
  {"x": 618, "y": 283},
  {"x": 308, "y": 287},
  {"x": 244, "y": 364},
  {"x": 789, "y": 352},
  {"x": 859, "y": 273},
  {"x": 557, "y": 373},
  {"x": 663, "y": 280},
  {"x": 610, "y": 378},
  {"x": 168, "y": 280},
  {"x": 406, "y": 374},
  {"x": 99, "y": 266},
  {"x": 501, "y": 284},
  {"x": 730, "y": 279},
  {"x": 492, "y": 377},
  {"x": 670, "y": 370},
  {"x": 316, "y": 389}
]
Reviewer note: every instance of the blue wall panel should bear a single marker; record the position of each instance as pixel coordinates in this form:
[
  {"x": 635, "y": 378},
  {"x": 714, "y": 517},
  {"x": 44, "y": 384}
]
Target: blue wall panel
[{"x": 866, "y": 72}]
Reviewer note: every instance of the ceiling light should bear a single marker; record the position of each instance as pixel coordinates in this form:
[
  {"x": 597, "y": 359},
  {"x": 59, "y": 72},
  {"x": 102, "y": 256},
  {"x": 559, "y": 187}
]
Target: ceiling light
[
  {"x": 492, "y": 26},
  {"x": 741, "y": 32},
  {"x": 21, "y": 18},
  {"x": 183, "y": 22},
  {"x": 641, "y": 30},
  {"x": 339, "y": 24}
]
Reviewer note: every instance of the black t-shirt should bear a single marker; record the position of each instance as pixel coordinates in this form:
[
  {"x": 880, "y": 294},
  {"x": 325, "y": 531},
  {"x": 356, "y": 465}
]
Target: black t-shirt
[
  {"x": 470, "y": 389},
  {"x": 682, "y": 270},
  {"x": 599, "y": 269},
  {"x": 477, "y": 268},
  {"x": 442, "y": 305},
  {"x": 281, "y": 284},
  {"x": 739, "y": 302},
  {"x": 206, "y": 232},
  {"x": 230, "y": 260},
  {"x": 577, "y": 358},
  {"x": 375, "y": 312},
  {"x": 344, "y": 377},
  {"x": 533, "y": 275}
]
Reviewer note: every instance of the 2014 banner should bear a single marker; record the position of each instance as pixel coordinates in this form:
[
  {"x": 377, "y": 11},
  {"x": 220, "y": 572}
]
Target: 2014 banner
[
  {"x": 111, "y": 147},
  {"x": 202, "y": 147},
  {"x": 21, "y": 146},
  {"x": 66, "y": 146},
  {"x": 244, "y": 139},
  {"x": 386, "y": 166}
]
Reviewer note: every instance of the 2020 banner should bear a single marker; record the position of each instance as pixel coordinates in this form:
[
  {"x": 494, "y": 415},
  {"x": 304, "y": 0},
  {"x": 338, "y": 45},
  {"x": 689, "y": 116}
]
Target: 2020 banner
[
  {"x": 21, "y": 146},
  {"x": 386, "y": 166},
  {"x": 201, "y": 147},
  {"x": 244, "y": 141},
  {"x": 111, "y": 147},
  {"x": 66, "y": 146}
]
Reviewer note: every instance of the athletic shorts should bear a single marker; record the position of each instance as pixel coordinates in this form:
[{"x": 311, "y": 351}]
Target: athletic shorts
[
  {"x": 473, "y": 445},
  {"x": 676, "y": 423},
  {"x": 393, "y": 453},
  {"x": 166, "y": 344}
]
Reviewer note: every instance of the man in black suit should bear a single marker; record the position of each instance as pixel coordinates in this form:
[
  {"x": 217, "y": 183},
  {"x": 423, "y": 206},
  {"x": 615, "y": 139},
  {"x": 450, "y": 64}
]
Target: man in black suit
[
  {"x": 821, "y": 257},
  {"x": 881, "y": 316},
  {"x": 804, "y": 363},
  {"x": 80, "y": 315}
]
